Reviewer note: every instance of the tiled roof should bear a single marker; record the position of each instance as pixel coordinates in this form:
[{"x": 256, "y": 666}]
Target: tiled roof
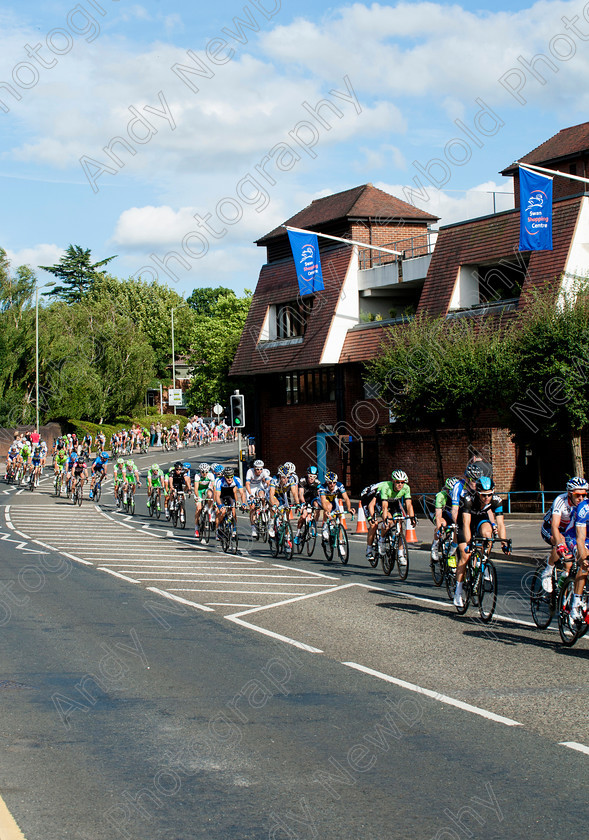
[
  {"x": 495, "y": 238},
  {"x": 278, "y": 284},
  {"x": 364, "y": 343},
  {"x": 568, "y": 141},
  {"x": 364, "y": 202}
]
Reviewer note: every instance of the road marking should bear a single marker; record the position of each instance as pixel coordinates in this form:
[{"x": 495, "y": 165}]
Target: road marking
[
  {"x": 225, "y": 604},
  {"x": 9, "y": 829},
  {"x": 232, "y": 591},
  {"x": 450, "y": 701},
  {"x": 305, "y": 571},
  {"x": 180, "y": 600},
  {"x": 116, "y": 574},
  {"x": 273, "y": 635},
  {"x": 572, "y": 745}
]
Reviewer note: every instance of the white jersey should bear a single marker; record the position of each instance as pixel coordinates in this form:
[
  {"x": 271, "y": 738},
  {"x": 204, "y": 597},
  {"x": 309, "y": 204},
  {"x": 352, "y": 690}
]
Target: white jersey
[
  {"x": 257, "y": 482},
  {"x": 560, "y": 505}
]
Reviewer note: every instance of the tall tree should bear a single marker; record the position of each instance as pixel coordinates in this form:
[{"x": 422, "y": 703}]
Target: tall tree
[{"x": 77, "y": 272}]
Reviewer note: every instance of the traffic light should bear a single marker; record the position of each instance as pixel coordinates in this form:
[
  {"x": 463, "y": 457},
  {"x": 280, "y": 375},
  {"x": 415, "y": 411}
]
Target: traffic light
[{"x": 237, "y": 411}]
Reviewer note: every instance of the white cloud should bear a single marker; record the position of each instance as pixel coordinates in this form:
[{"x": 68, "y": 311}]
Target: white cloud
[
  {"x": 37, "y": 255},
  {"x": 457, "y": 205}
]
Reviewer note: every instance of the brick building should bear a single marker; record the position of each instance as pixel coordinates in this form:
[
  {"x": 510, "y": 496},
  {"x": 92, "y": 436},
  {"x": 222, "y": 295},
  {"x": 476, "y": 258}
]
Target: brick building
[{"x": 307, "y": 355}]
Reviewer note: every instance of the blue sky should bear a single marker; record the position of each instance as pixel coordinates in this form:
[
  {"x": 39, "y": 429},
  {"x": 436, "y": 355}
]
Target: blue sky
[{"x": 174, "y": 134}]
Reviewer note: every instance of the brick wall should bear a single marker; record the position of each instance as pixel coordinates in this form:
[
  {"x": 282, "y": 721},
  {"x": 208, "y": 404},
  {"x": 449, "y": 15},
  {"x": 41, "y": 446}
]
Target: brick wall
[
  {"x": 288, "y": 432},
  {"x": 49, "y": 434}
]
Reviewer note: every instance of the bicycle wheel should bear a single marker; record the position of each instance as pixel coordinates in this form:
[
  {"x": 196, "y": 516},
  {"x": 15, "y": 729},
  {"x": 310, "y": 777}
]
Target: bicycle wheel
[
  {"x": 487, "y": 591},
  {"x": 32, "y": 481},
  {"x": 97, "y": 491},
  {"x": 158, "y": 509},
  {"x": 569, "y": 630},
  {"x": 225, "y": 537},
  {"x": 542, "y": 603},
  {"x": 205, "y": 528},
  {"x": 80, "y": 495},
  {"x": 327, "y": 545},
  {"x": 402, "y": 557},
  {"x": 287, "y": 541},
  {"x": 311, "y": 537},
  {"x": 302, "y": 538},
  {"x": 182, "y": 516},
  {"x": 274, "y": 542},
  {"x": 343, "y": 546},
  {"x": 263, "y": 526},
  {"x": 234, "y": 540},
  {"x": 388, "y": 556},
  {"x": 150, "y": 506},
  {"x": 438, "y": 566},
  {"x": 57, "y": 485}
]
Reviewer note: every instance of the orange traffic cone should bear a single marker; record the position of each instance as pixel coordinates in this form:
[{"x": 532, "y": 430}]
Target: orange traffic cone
[
  {"x": 410, "y": 535},
  {"x": 361, "y": 526}
]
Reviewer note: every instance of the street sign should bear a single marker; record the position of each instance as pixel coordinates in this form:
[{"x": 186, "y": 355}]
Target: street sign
[
  {"x": 217, "y": 409},
  {"x": 175, "y": 396}
]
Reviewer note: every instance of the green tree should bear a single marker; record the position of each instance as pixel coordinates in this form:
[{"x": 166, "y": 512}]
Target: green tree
[
  {"x": 77, "y": 272},
  {"x": 205, "y": 301},
  {"x": 214, "y": 341},
  {"x": 548, "y": 395},
  {"x": 16, "y": 342},
  {"x": 439, "y": 372}
]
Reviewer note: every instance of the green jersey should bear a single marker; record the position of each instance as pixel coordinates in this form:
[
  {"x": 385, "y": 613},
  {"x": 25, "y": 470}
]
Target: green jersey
[
  {"x": 386, "y": 490},
  {"x": 443, "y": 499}
]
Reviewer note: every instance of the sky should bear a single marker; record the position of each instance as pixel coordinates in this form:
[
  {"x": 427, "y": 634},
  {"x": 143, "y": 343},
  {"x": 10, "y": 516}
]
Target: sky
[{"x": 174, "y": 134}]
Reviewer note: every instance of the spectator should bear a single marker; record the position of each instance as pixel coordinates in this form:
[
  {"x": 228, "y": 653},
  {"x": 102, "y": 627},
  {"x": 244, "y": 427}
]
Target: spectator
[{"x": 158, "y": 430}]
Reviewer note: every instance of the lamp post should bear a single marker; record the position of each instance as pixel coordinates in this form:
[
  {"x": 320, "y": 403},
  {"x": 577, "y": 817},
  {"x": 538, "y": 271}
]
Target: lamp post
[{"x": 180, "y": 305}]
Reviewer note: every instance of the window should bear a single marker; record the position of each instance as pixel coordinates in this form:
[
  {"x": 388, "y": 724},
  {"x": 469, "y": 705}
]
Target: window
[
  {"x": 503, "y": 281},
  {"x": 291, "y": 317},
  {"x": 305, "y": 387}
]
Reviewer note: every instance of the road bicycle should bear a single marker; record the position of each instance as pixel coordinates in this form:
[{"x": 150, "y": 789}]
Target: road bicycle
[
  {"x": 154, "y": 502},
  {"x": 570, "y": 631},
  {"x": 337, "y": 538},
  {"x": 177, "y": 508},
  {"x": 228, "y": 532},
  {"x": 78, "y": 492},
  {"x": 207, "y": 519},
  {"x": 282, "y": 539},
  {"x": 129, "y": 502},
  {"x": 439, "y": 566},
  {"x": 392, "y": 547},
  {"x": 58, "y": 482},
  {"x": 308, "y": 535},
  {"x": 480, "y": 579},
  {"x": 543, "y": 604},
  {"x": 261, "y": 519}
]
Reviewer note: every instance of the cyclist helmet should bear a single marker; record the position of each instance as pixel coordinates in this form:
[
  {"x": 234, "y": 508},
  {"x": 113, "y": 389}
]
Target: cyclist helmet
[
  {"x": 399, "y": 475},
  {"x": 218, "y": 469},
  {"x": 283, "y": 471},
  {"x": 258, "y": 465},
  {"x": 178, "y": 465},
  {"x": 120, "y": 461},
  {"x": 485, "y": 484},
  {"x": 155, "y": 468},
  {"x": 473, "y": 472},
  {"x": 577, "y": 483},
  {"x": 450, "y": 483},
  {"x": 104, "y": 456},
  {"x": 204, "y": 468},
  {"x": 290, "y": 467},
  {"x": 130, "y": 465},
  {"x": 187, "y": 465},
  {"x": 229, "y": 472},
  {"x": 330, "y": 477},
  {"x": 312, "y": 470}
]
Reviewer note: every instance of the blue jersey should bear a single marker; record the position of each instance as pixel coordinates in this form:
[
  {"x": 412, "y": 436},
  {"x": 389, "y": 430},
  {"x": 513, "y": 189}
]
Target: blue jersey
[
  {"x": 225, "y": 487},
  {"x": 100, "y": 462},
  {"x": 331, "y": 495},
  {"x": 580, "y": 516},
  {"x": 459, "y": 490}
]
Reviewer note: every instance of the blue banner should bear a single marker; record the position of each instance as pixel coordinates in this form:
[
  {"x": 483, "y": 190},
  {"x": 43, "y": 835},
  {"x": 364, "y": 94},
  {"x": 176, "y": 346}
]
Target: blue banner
[
  {"x": 535, "y": 199},
  {"x": 305, "y": 251}
]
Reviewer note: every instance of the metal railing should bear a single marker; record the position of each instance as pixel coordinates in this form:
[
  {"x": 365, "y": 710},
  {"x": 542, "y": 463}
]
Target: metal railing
[
  {"x": 535, "y": 502},
  {"x": 415, "y": 246}
]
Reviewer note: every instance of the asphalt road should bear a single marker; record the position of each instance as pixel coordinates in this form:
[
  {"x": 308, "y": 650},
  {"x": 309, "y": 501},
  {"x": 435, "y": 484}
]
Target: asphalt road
[{"x": 157, "y": 689}]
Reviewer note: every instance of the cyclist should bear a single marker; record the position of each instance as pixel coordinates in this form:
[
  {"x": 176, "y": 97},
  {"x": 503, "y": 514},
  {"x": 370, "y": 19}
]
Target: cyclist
[
  {"x": 25, "y": 456},
  {"x": 36, "y": 464},
  {"x": 44, "y": 450},
  {"x": 87, "y": 444},
  {"x": 482, "y": 516},
  {"x": 395, "y": 499},
  {"x": 577, "y": 536},
  {"x": 328, "y": 492},
  {"x": 370, "y": 501},
  {"x": 11, "y": 460},
  {"x": 228, "y": 490},
  {"x": 119, "y": 477},
  {"x": 79, "y": 472},
  {"x": 281, "y": 492},
  {"x": 69, "y": 467},
  {"x": 555, "y": 524},
  {"x": 443, "y": 513},
  {"x": 257, "y": 480},
  {"x": 203, "y": 491},
  {"x": 155, "y": 481},
  {"x": 131, "y": 478},
  {"x": 308, "y": 498},
  {"x": 99, "y": 466},
  {"x": 179, "y": 480}
]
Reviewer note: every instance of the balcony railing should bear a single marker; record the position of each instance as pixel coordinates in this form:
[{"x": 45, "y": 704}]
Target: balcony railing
[{"x": 415, "y": 246}]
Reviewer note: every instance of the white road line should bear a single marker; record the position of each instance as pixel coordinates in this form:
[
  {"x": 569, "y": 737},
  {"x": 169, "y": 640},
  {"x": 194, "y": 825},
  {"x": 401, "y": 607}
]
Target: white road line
[
  {"x": 273, "y": 635},
  {"x": 228, "y": 591},
  {"x": 450, "y": 701},
  {"x": 116, "y": 574},
  {"x": 77, "y": 559},
  {"x": 225, "y": 604},
  {"x": 572, "y": 745},
  {"x": 171, "y": 597},
  {"x": 242, "y": 575},
  {"x": 306, "y": 571},
  {"x": 292, "y": 600}
]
